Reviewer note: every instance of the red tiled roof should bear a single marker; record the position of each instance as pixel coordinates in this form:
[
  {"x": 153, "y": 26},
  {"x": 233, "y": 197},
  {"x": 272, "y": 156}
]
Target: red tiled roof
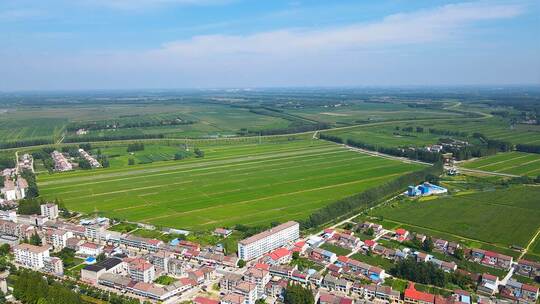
[
  {"x": 412, "y": 293},
  {"x": 89, "y": 245},
  {"x": 401, "y": 231},
  {"x": 529, "y": 287},
  {"x": 343, "y": 259},
  {"x": 279, "y": 253},
  {"x": 488, "y": 276},
  {"x": 262, "y": 266},
  {"x": 369, "y": 243}
]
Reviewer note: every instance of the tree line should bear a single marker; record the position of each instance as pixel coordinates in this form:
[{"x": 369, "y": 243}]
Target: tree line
[
  {"x": 415, "y": 154},
  {"x": 369, "y": 197},
  {"x": 428, "y": 273},
  {"x": 111, "y": 137},
  {"x": 528, "y": 148},
  {"x": 104, "y": 125},
  {"x": 30, "y": 287}
]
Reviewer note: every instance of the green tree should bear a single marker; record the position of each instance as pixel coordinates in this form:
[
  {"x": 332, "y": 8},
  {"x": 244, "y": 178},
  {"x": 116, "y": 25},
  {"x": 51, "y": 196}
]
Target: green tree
[
  {"x": 427, "y": 245},
  {"x": 198, "y": 153},
  {"x": 100, "y": 257},
  {"x": 131, "y": 162},
  {"x": 297, "y": 294},
  {"x": 35, "y": 239},
  {"x": 4, "y": 249},
  {"x": 458, "y": 253},
  {"x": 241, "y": 263}
]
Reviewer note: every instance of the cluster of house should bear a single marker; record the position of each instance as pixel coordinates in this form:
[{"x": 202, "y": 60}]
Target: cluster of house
[
  {"x": 131, "y": 264},
  {"x": 80, "y": 132},
  {"x": 61, "y": 163},
  {"x": 487, "y": 283},
  {"x": 91, "y": 160},
  {"x": 14, "y": 187},
  {"x": 26, "y": 162}
]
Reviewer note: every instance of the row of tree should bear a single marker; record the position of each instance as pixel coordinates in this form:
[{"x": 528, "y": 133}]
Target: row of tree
[
  {"x": 30, "y": 178},
  {"x": 135, "y": 147},
  {"x": 528, "y": 148},
  {"x": 106, "y": 125},
  {"x": 428, "y": 273},
  {"x": 368, "y": 198},
  {"x": 30, "y": 287},
  {"x": 111, "y": 137}
]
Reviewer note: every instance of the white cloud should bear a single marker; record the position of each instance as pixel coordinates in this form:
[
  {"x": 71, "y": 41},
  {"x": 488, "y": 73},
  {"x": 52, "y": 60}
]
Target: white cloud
[{"x": 412, "y": 28}]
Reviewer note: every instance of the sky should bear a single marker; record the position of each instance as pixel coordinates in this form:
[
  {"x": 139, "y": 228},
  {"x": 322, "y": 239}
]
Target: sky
[{"x": 150, "y": 44}]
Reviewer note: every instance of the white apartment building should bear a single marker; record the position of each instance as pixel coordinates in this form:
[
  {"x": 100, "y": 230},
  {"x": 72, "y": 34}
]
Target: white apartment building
[
  {"x": 259, "y": 277},
  {"x": 53, "y": 265},
  {"x": 57, "y": 238},
  {"x": 50, "y": 211},
  {"x": 31, "y": 256},
  {"x": 141, "y": 270},
  {"x": 266, "y": 241}
]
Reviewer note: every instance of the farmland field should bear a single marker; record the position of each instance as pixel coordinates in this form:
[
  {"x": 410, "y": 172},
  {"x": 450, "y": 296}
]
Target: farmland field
[
  {"x": 368, "y": 112},
  {"x": 517, "y": 163},
  {"x": 485, "y": 216},
  {"x": 386, "y": 134},
  {"x": 248, "y": 182}
]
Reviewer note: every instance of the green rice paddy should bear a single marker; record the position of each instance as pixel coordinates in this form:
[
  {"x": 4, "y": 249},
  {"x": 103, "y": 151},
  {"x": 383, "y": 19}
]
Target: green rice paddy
[
  {"x": 248, "y": 183},
  {"x": 501, "y": 217},
  {"x": 517, "y": 163}
]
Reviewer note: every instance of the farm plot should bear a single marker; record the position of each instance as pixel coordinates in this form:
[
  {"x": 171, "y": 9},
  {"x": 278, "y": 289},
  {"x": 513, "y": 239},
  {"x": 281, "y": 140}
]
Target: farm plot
[
  {"x": 243, "y": 183},
  {"x": 490, "y": 217},
  {"x": 517, "y": 163}
]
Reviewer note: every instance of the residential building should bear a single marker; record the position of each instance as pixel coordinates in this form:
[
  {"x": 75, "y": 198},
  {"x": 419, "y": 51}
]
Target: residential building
[
  {"x": 264, "y": 242},
  {"x": 90, "y": 249},
  {"x": 140, "y": 269},
  {"x": 381, "y": 292},
  {"x": 57, "y": 238},
  {"x": 49, "y": 210},
  {"x": 53, "y": 265},
  {"x": 259, "y": 277},
  {"x": 91, "y": 273},
  {"x": 31, "y": 256},
  {"x": 414, "y": 296}
]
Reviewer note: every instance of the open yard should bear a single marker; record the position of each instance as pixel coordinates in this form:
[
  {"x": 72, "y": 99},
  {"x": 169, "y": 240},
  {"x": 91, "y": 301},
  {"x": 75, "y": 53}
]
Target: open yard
[
  {"x": 517, "y": 163},
  {"x": 501, "y": 218},
  {"x": 247, "y": 183}
]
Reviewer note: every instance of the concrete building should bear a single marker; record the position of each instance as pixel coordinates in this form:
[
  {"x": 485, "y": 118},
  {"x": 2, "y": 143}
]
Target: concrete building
[
  {"x": 140, "y": 270},
  {"x": 50, "y": 211},
  {"x": 266, "y": 241},
  {"x": 31, "y": 256},
  {"x": 53, "y": 265}
]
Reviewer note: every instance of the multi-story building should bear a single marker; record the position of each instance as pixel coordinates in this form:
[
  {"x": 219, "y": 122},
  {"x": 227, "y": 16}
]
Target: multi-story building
[
  {"x": 50, "y": 211},
  {"x": 57, "y": 238},
  {"x": 151, "y": 245},
  {"x": 31, "y": 256},
  {"x": 53, "y": 265},
  {"x": 266, "y": 241},
  {"x": 259, "y": 277},
  {"x": 140, "y": 270}
]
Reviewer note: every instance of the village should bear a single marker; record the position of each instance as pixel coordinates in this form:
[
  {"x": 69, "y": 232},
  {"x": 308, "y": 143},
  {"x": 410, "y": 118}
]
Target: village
[
  {"x": 350, "y": 262},
  {"x": 266, "y": 263}
]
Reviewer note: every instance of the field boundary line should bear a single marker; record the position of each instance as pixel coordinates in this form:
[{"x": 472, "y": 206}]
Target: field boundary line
[{"x": 269, "y": 197}]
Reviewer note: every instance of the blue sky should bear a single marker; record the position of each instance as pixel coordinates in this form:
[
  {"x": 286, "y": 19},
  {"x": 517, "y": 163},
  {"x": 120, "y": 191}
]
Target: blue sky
[{"x": 128, "y": 44}]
